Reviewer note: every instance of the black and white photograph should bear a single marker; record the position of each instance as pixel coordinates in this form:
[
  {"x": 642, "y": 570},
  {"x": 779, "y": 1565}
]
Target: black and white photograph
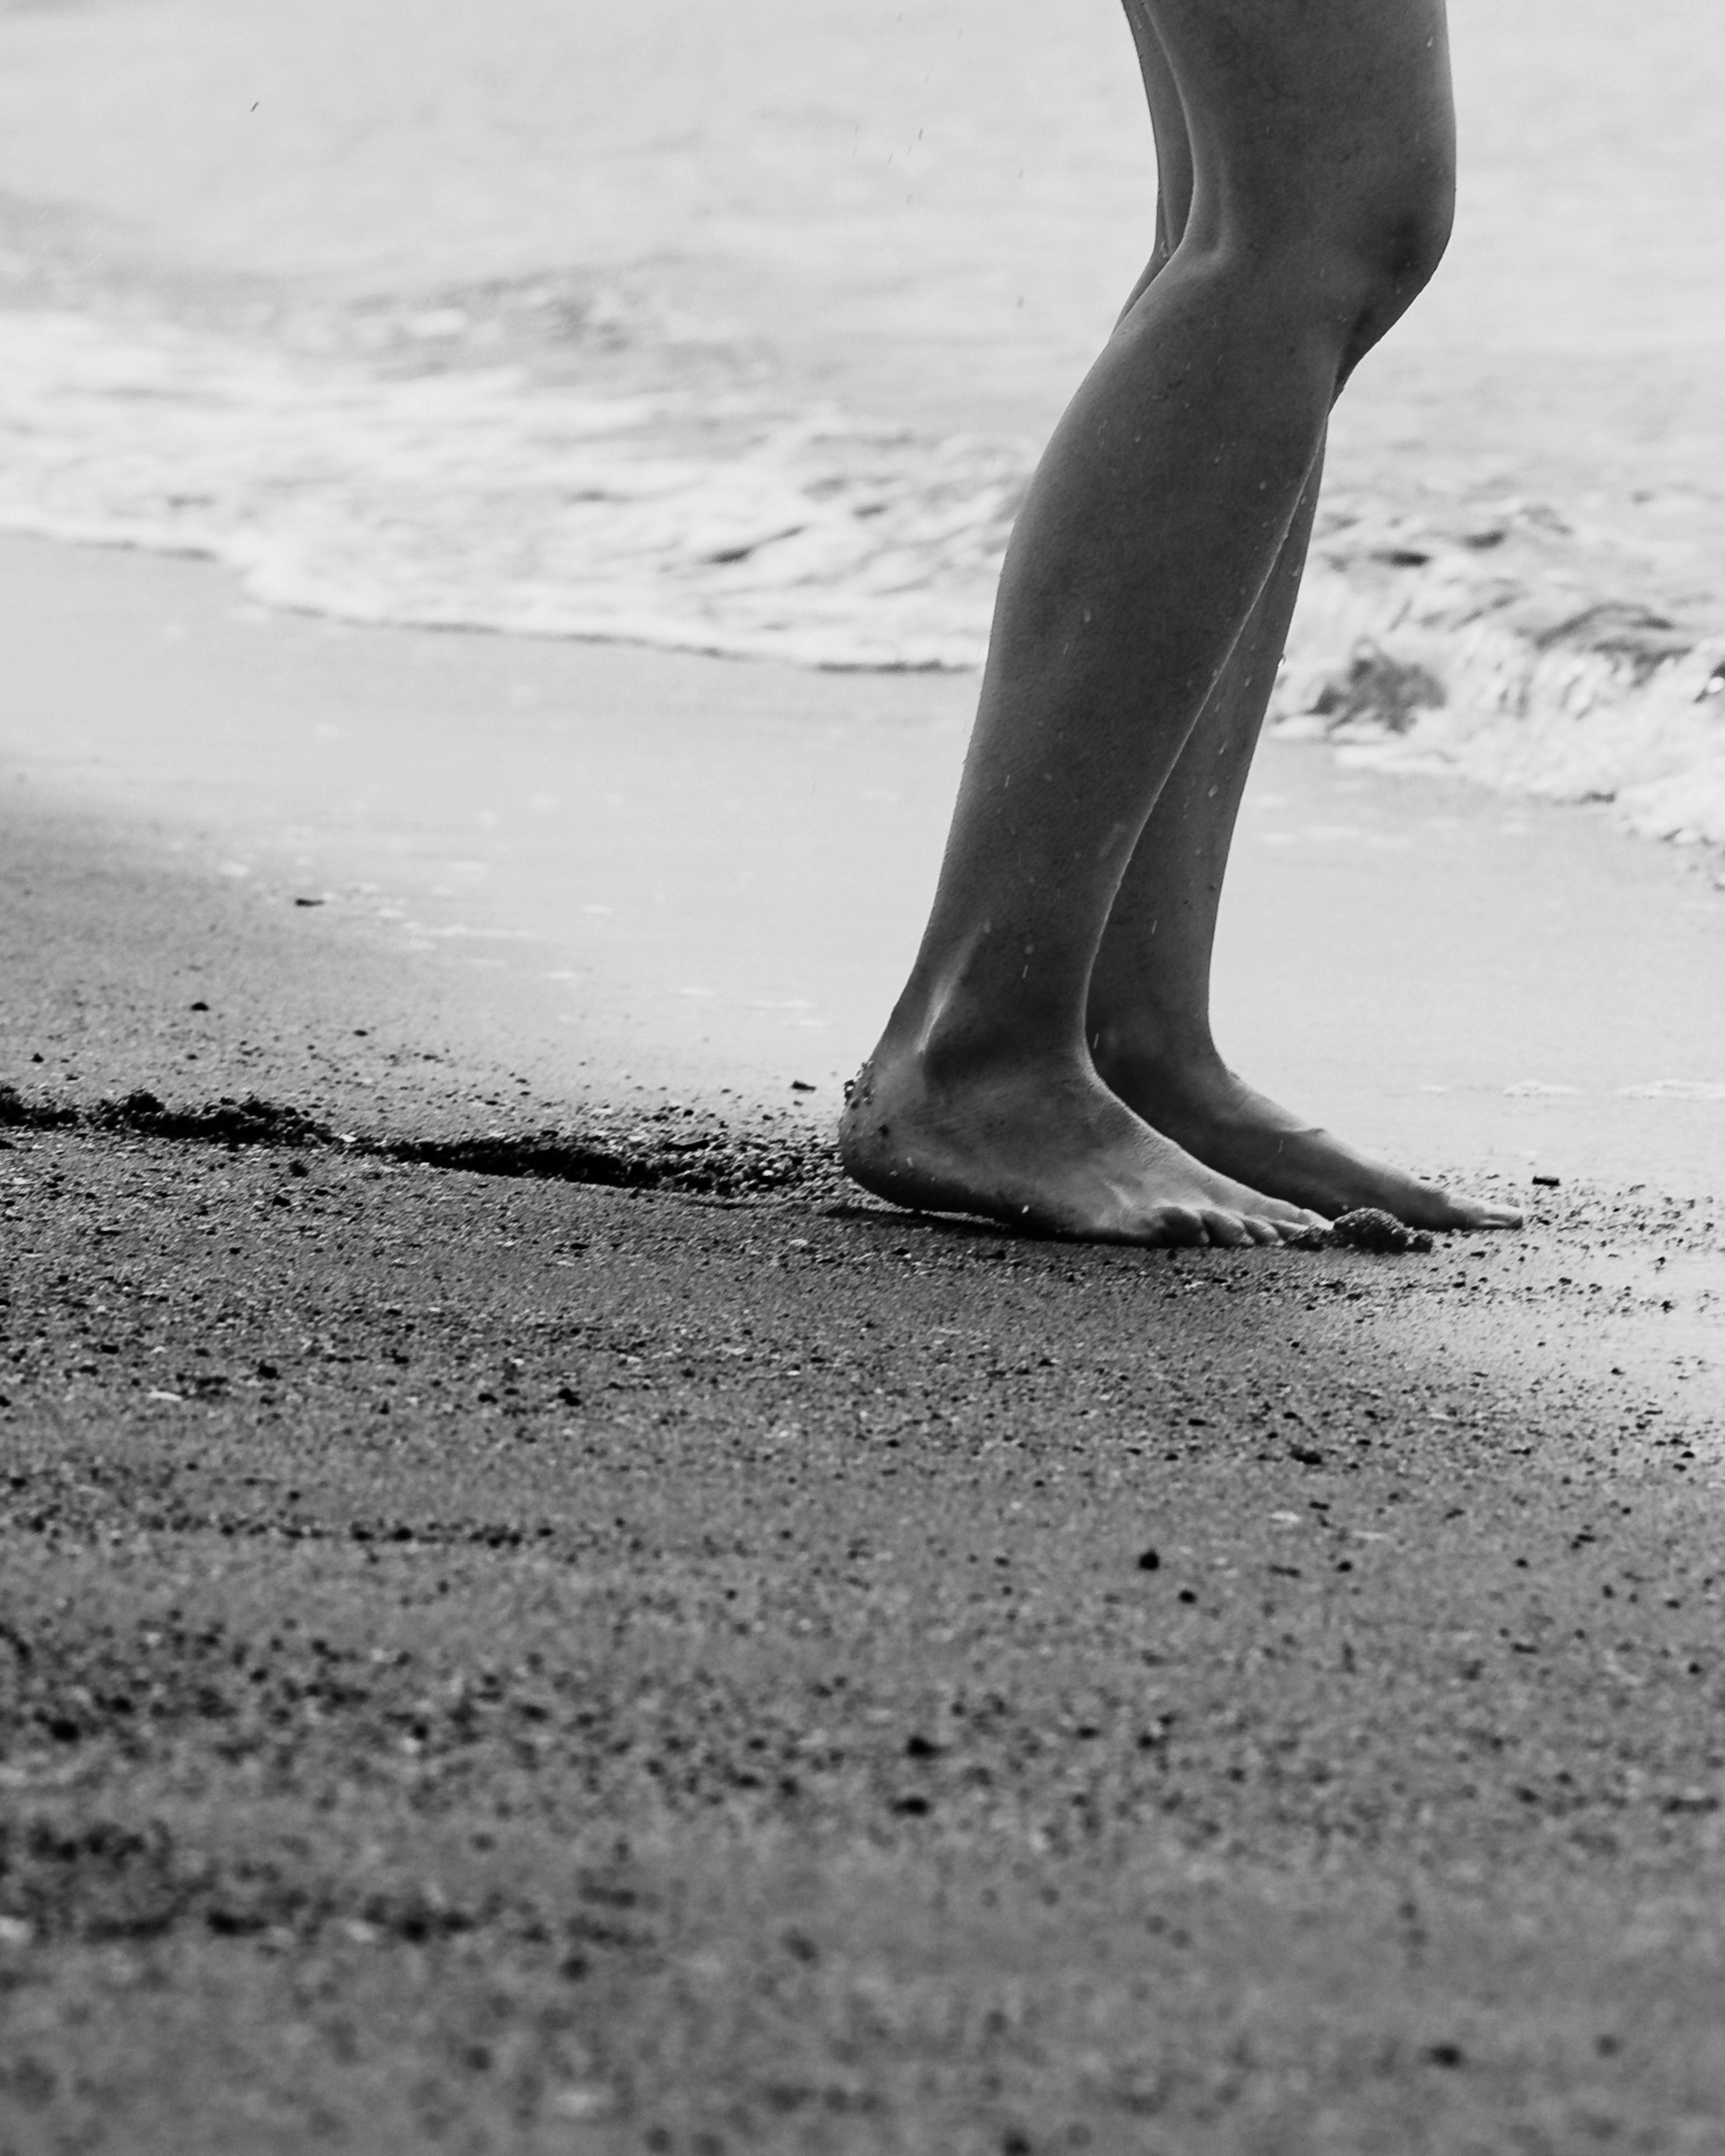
[{"x": 862, "y": 1078}]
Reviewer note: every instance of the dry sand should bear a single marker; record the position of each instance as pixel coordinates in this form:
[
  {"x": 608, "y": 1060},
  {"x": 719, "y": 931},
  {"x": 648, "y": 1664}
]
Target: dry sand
[
  {"x": 503, "y": 1665},
  {"x": 500, "y": 1663}
]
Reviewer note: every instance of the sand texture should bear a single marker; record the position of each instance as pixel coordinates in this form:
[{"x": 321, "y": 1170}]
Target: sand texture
[
  {"x": 619, "y": 876},
  {"x": 533, "y": 1619},
  {"x": 498, "y": 1662},
  {"x": 507, "y": 1664}
]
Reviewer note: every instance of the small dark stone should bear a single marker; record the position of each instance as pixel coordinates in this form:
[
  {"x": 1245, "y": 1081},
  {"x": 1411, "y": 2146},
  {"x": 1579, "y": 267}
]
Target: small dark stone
[
  {"x": 1149, "y": 1560},
  {"x": 1186, "y": 1594},
  {"x": 801, "y": 1086},
  {"x": 308, "y": 901},
  {"x": 197, "y": 1006},
  {"x": 1308, "y": 1455},
  {"x": 1548, "y": 1182},
  {"x": 1447, "y": 2055},
  {"x": 919, "y": 1746}
]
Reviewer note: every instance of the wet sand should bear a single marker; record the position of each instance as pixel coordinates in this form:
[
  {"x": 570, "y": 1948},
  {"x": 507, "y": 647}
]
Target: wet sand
[
  {"x": 627, "y": 875},
  {"x": 509, "y": 1663}
]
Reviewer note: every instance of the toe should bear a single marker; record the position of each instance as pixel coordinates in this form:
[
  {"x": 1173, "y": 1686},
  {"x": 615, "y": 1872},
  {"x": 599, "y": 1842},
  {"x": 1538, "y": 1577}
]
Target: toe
[
  {"x": 1261, "y": 1230},
  {"x": 1477, "y": 1213},
  {"x": 1179, "y": 1224},
  {"x": 1425, "y": 1205},
  {"x": 1228, "y": 1231},
  {"x": 1500, "y": 1216}
]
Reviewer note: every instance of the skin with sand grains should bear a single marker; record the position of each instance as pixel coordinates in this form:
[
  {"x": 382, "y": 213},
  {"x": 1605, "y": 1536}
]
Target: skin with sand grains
[{"x": 1050, "y": 1062}]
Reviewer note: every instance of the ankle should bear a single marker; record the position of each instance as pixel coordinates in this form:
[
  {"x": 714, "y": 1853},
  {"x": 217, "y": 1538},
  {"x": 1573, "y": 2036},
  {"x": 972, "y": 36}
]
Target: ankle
[
  {"x": 955, "y": 1039},
  {"x": 1164, "y": 1056}
]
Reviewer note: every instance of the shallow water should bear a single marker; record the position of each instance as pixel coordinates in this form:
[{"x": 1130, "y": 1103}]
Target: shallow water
[{"x": 737, "y": 332}]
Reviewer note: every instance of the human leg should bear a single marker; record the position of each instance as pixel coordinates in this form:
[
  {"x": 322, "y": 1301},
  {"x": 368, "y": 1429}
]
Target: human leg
[
  {"x": 1148, "y": 1020},
  {"x": 1148, "y": 1015},
  {"x": 1319, "y": 170}
]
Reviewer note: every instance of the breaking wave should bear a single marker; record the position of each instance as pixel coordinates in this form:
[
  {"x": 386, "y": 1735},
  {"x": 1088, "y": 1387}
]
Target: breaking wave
[
  {"x": 1483, "y": 638},
  {"x": 480, "y": 498}
]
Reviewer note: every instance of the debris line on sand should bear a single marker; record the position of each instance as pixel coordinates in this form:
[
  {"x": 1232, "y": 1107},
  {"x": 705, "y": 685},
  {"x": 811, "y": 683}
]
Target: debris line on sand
[{"x": 675, "y": 1155}]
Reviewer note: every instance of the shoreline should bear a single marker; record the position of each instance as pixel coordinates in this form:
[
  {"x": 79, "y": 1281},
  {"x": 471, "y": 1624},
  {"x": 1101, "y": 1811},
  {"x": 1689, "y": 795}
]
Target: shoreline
[
  {"x": 571, "y": 873},
  {"x": 526, "y": 485},
  {"x": 873, "y": 235}
]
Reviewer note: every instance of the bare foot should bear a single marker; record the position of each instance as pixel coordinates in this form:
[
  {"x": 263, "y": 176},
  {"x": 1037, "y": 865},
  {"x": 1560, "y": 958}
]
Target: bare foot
[
  {"x": 1237, "y": 1131},
  {"x": 1054, "y": 1152}
]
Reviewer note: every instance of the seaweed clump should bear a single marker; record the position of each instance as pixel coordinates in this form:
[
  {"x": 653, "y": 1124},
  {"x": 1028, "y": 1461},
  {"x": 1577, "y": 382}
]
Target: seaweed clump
[{"x": 1365, "y": 1229}]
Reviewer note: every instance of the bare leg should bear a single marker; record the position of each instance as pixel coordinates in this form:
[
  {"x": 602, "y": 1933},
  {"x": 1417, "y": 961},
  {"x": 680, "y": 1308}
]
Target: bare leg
[
  {"x": 1171, "y": 489},
  {"x": 1149, "y": 995}
]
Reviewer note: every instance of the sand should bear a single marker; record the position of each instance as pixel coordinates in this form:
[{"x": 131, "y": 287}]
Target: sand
[
  {"x": 497, "y": 1662},
  {"x": 504, "y": 1663},
  {"x": 626, "y": 875}
]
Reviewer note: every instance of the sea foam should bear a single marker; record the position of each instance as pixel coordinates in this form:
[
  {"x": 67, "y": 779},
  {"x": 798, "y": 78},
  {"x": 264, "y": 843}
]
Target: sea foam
[
  {"x": 1486, "y": 637},
  {"x": 1494, "y": 640},
  {"x": 480, "y": 498}
]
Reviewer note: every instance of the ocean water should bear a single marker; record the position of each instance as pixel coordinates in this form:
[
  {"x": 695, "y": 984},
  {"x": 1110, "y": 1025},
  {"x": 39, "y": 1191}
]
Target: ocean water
[
  {"x": 1489, "y": 638},
  {"x": 738, "y": 335},
  {"x": 475, "y": 497}
]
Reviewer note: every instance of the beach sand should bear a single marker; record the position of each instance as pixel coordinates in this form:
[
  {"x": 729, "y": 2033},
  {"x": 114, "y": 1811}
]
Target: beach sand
[
  {"x": 506, "y": 1666},
  {"x": 640, "y": 1647},
  {"x": 627, "y": 875},
  {"x": 507, "y": 1663}
]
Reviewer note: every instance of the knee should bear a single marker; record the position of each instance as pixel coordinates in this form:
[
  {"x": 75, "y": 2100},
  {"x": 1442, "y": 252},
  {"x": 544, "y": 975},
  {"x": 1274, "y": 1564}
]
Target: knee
[
  {"x": 1351, "y": 252},
  {"x": 1389, "y": 244}
]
